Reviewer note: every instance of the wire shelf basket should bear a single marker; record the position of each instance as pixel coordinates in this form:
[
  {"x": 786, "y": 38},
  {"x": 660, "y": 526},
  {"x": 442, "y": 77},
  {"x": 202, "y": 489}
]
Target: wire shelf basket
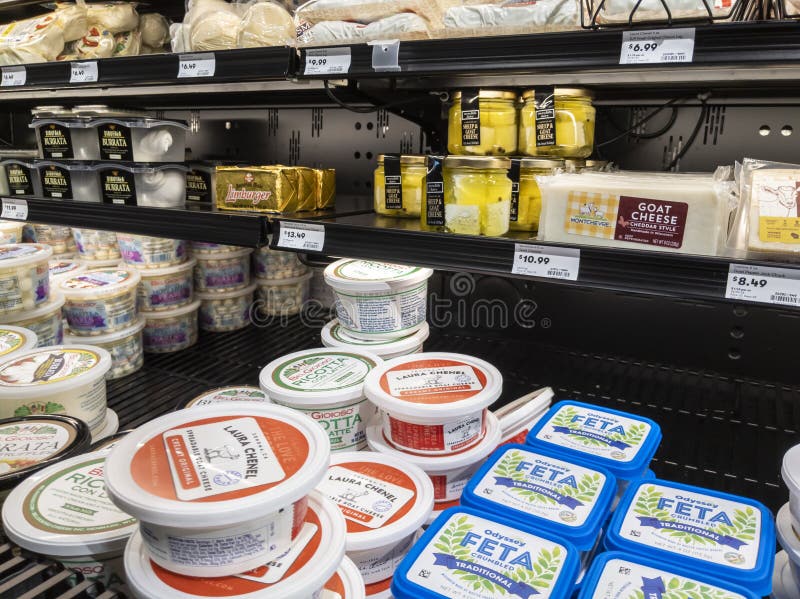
[{"x": 626, "y": 13}]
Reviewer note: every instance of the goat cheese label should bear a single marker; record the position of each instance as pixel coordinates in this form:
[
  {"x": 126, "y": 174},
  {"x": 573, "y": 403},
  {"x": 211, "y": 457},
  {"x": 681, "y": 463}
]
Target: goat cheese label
[
  {"x": 775, "y": 205},
  {"x": 435, "y": 381},
  {"x": 622, "y": 579},
  {"x": 595, "y": 432},
  {"x": 703, "y": 527},
  {"x": 542, "y": 486},
  {"x": 472, "y": 558}
]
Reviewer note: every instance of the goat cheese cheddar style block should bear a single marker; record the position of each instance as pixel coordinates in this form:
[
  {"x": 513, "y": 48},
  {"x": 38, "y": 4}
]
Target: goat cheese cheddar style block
[{"x": 711, "y": 533}]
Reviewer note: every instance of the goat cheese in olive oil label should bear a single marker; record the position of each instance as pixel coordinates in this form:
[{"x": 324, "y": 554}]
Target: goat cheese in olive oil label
[{"x": 704, "y": 527}]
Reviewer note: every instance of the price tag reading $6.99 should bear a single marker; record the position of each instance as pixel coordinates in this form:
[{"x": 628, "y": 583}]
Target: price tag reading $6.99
[{"x": 658, "y": 46}]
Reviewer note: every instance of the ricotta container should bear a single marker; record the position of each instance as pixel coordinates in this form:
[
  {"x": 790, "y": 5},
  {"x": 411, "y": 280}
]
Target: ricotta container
[
  {"x": 61, "y": 270},
  {"x": 221, "y": 490},
  {"x": 124, "y": 346},
  {"x": 64, "y": 513},
  {"x": 170, "y": 330},
  {"x": 45, "y": 320},
  {"x": 24, "y": 277},
  {"x": 301, "y": 571},
  {"x": 15, "y": 341},
  {"x": 784, "y": 586},
  {"x": 723, "y": 536},
  {"x": 227, "y": 395},
  {"x": 11, "y": 231},
  {"x": 616, "y": 575},
  {"x": 143, "y": 252},
  {"x": 466, "y": 554},
  {"x": 100, "y": 301},
  {"x": 385, "y": 502},
  {"x": 222, "y": 271},
  {"x": 378, "y": 300},
  {"x": 328, "y": 386},
  {"x": 347, "y": 583},
  {"x": 275, "y": 264},
  {"x": 61, "y": 379},
  {"x": 96, "y": 245},
  {"x": 790, "y": 471},
  {"x": 227, "y": 310},
  {"x": 333, "y": 335},
  {"x": 166, "y": 288},
  {"x": 283, "y": 297},
  {"x": 789, "y": 540},
  {"x": 434, "y": 403}
]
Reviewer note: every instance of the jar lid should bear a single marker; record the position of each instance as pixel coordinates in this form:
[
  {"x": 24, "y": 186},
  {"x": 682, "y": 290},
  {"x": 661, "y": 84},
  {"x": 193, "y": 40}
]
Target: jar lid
[
  {"x": 333, "y": 335},
  {"x": 574, "y": 164},
  {"x": 23, "y": 254},
  {"x": 51, "y": 306},
  {"x": 406, "y": 159},
  {"x": 596, "y": 163},
  {"x": 366, "y": 275},
  {"x": 146, "y": 480},
  {"x": 524, "y": 412},
  {"x": 497, "y": 162},
  {"x": 383, "y": 499},
  {"x": 434, "y": 385},
  {"x": 100, "y": 283},
  {"x": 572, "y": 92},
  {"x": 165, "y": 270},
  {"x": 347, "y": 583},
  {"x": 104, "y": 338},
  {"x": 226, "y": 395},
  {"x": 15, "y": 340},
  {"x": 318, "y": 376},
  {"x": 223, "y": 295},
  {"x": 540, "y": 163},
  {"x": 489, "y": 94},
  {"x": 174, "y": 313},
  {"x": 34, "y": 519}
]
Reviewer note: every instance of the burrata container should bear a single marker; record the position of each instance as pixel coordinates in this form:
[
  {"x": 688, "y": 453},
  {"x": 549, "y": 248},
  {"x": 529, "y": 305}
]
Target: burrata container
[
  {"x": 68, "y": 181},
  {"x": 170, "y": 330},
  {"x": 166, "y": 288},
  {"x": 24, "y": 277},
  {"x": 225, "y": 395},
  {"x": 227, "y": 310},
  {"x": 334, "y": 335},
  {"x": 100, "y": 301},
  {"x": 15, "y": 341},
  {"x": 124, "y": 346}
]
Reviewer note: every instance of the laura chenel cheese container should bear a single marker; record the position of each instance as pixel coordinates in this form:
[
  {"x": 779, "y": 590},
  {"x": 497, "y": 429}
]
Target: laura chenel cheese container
[{"x": 723, "y": 536}]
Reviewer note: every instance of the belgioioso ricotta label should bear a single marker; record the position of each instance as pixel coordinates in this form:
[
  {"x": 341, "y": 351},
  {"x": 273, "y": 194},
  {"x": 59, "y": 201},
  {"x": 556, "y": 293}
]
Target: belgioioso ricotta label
[{"x": 322, "y": 371}]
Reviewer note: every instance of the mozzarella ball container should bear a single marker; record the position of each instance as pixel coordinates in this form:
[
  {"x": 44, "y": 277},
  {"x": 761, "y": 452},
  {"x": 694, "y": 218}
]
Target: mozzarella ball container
[
  {"x": 57, "y": 237},
  {"x": 96, "y": 245},
  {"x": 61, "y": 379},
  {"x": 378, "y": 300},
  {"x": 222, "y": 490},
  {"x": 275, "y": 264},
  {"x": 333, "y": 335},
  {"x": 144, "y": 252},
  {"x": 385, "y": 501},
  {"x": 100, "y": 301},
  {"x": 11, "y": 231},
  {"x": 169, "y": 331},
  {"x": 222, "y": 271},
  {"x": 328, "y": 386},
  {"x": 68, "y": 181},
  {"x": 141, "y": 184},
  {"x": 46, "y": 320},
  {"x": 283, "y": 297},
  {"x": 140, "y": 139},
  {"x": 166, "y": 288},
  {"x": 226, "y": 395},
  {"x": 434, "y": 403},
  {"x": 227, "y": 310},
  {"x": 24, "y": 277},
  {"x": 124, "y": 346},
  {"x": 201, "y": 249},
  {"x": 15, "y": 341}
]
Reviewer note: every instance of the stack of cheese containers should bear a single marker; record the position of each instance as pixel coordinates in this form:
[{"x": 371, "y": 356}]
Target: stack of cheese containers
[
  {"x": 96, "y": 249},
  {"x": 786, "y": 579},
  {"x": 58, "y": 237},
  {"x": 284, "y": 283}
]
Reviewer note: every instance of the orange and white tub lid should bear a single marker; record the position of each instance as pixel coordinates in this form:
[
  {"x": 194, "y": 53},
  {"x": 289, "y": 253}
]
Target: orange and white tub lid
[
  {"x": 299, "y": 573},
  {"x": 347, "y": 583},
  {"x": 436, "y": 385},
  {"x": 224, "y": 465}
]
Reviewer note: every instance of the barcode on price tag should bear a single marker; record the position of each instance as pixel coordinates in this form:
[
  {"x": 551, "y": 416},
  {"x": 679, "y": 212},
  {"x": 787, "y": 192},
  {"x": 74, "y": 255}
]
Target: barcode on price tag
[
  {"x": 83, "y": 72},
  {"x": 13, "y": 76},
  {"x": 546, "y": 262},
  {"x": 302, "y": 236},
  {"x": 657, "y": 46},
  {"x": 15, "y": 210},
  {"x": 764, "y": 284},
  {"x": 197, "y": 65},
  {"x": 327, "y": 61}
]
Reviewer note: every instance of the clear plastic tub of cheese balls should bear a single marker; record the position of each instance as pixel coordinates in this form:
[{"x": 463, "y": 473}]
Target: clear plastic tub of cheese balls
[
  {"x": 171, "y": 330},
  {"x": 222, "y": 271},
  {"x": 274, "y": 264},
  {"x": 222, "y": 312},
  {"x": 201, "y": 249},
  {"x": 100, "y": 301},
  {"x": 144, "y": 252},
  {"x": 45, "y": 320},
  {"x": 166, "y": 288},
  {"x": 96, "y": 245},
  {"x": 284, "y": 297},
  {"x": 125, "y": 346},
  {"x": 11, "y": 231},
  {"x": 24, "y": 276},
  {"x": 57, "y": 237}
]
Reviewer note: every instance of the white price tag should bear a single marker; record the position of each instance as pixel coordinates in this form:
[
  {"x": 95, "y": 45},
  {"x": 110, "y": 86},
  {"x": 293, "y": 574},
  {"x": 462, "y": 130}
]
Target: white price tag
[
  {"x": 15, "y": 210},
  {"x": 658, "y": 46},
  {"x": 83, "y": 72},
  {"x": 13, "y": 76},
  {"x": 765, "y": 284},
  {"x": 546, "y": 262},
  {"x": 327, "y": 61},
  {"x": 302, "y": 236},
  {"x": 196, "y": 65}
]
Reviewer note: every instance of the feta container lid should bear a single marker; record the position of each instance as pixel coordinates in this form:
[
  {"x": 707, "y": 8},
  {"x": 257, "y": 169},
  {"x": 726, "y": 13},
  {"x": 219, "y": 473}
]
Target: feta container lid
[
  {"x": 544, "y": 491},
  {"x": 100, "y": 283},
  {"x": 306, "y": 567},
  {"x": 334, "y": 335},
  {"x": 62, "y": 511},
  {"x": 271, "y": 456},
  {"x": 621, "y": 442},
  {"x": 149, "y": 273},
  {"x": 226, "y": 395},
  {"x": 111, "y": 427},
  {"x": 383, "y": 499},
  {"x": 466, "y": 553},
  {"x": 787, "y": 535},
  {"x": 519, "y": 416},
  {"x": 23, "y": 254},
  {"x": 346, "y": 583},
  {"x": 112, "y": 337},
  {"x": 15, "y": 340},
  {"x": 434, "y": 385},
  {"x": 368, "y": 276},
  {"x": 723, "y": 536},
  {"x": 783, "y": 583},
  {"x": 52, "y": 370},
  {"x": 64, "y": 269},
  {"x": 790, "y": 470},
  {"x": 223, "y": 295},
  {"x": 54, "y": 304},
  {"x": 617, "y": 575},
  {"x": 311, "y": 376},
  {"x": 174, "y": 313}
]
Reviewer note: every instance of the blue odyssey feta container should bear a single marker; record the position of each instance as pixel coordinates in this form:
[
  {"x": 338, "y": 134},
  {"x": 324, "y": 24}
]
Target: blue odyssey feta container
[
  {"x": 712, "y": 533},
  {"x": 546, "y": 492},
  {"x": 620, "y": 442},
  {"x": 465, "y": 554},
  {"x": 616, "y": 575}
]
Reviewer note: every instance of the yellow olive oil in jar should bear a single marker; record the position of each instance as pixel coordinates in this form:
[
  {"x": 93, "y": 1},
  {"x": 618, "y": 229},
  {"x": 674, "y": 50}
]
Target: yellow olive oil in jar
[
  {"x": 400, "y": 185},
  {"x": 483, "y": 123},
  {"x": 526, "y": 205},
  {"x": 477, "y": 195},
  {"x": 557, "y": 123}
]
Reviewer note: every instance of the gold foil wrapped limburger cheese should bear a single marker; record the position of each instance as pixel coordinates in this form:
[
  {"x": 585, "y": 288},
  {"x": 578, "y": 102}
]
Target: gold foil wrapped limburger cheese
[
  {"x": 308, "y": 189},
  {"x": 258, "y": 188},
  {"x": 326, "y": 188}
]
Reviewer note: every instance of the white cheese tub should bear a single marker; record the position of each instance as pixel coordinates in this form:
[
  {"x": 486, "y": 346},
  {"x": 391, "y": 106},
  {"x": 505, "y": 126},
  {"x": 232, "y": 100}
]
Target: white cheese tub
[
  {"x": 124, "y": 346},
  {"x": 24, "y": 277},
  {"x": 347, "y": 583},
  {"x": 171, "y": 330},
  {"x": 11, "y": 231},
  {"x": 166, "y": 288},
  {"x": 45, "y": 320},
  {"x": 100, "y": 301},
  {"x": 333, "y": 335},
  {"x": 15, "y": 341},
  {"x": 227, "y": 310}
]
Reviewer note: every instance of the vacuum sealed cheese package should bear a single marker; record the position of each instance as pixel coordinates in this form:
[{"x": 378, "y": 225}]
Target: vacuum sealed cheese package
[
  {"x": 265, "y": 24},
  {"x": 501, "y": 17},
  {"x": 114, "y": 17},
  {"x": 40, "y": 39}
]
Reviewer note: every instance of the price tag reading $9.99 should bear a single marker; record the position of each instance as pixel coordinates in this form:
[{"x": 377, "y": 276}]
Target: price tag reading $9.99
[
  {"x": 763, "y": 284},
  {"x": 658, "y": 46},
  {"x": 327, "y": 61},
  {"x": 302, "y": 236}
]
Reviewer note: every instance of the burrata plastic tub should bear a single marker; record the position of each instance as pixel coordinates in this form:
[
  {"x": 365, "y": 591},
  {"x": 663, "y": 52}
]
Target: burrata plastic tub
[
  {"x": 63, "y": 513},
  {"x": 302, "y": 572},
  {"x": 61, "y": 379},
  {"x": 227, "y": 310},
  {"x": 275, "y": 264},
  {"x": 283, "y": 297},
  {"x": 100, "y": 301},
  {"x": 378, "y": 300},
  {"x": 145, "y": 252},
  {"x": 347, "y": 583},
  {"x": 328, "y": 386},
  {"x": 546, "y": 492},
  {"x": 68, "y": 181},
  {"x": 166, "y": 288},
  {"x": 465, "y": 553},
  {"x": 449, "y": 474},
  {"x": 141, "y": 184},
  {"x": 10, "y": 231},
  {"x": 784, "y": 586},
  {"x": 221, "y": 490},
  {"x": 24, "y": 277},
  {"x": 434, "y": 403},
  {"x": 170, "y": 330},
  {"x": 790, "y": 471},
  {"x": 616, "y": 575},
  {"x": 66, "y": 138},
  {"x": 15, "y": 341},
  {"x": 518, "y": 417},
  {"x": 125, "y": 347},
  {"x": 96, "y": 245},
  {"x": 333, "y": 335},
  {"x": 61, "y": 270},
  {"x": 789, "y": 540},
  {"x": 227, "y": 395},
  {"x": 722, "y": 536},
  {"x": 385, "y": 501},
  {"x": 45, "y": 320},
  {"x": 622, "y": 443},
  {"x": 140, "y": 139},
  {"x": 19, "y": 178},
  {"x": 222, "y": 271}
]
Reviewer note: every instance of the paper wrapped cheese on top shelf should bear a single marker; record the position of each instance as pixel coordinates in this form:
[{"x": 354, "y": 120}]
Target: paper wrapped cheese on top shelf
[
  {"x": 114, "y": 17},
  {"x": 500, "y": 17},
  {"x": 97, "y": 43},
  {"x": 663, "y": 212},
  {"x": 73, "y": 19},
  {"x": 265, "y": 24},
  {"x": 624, "y": 11},
  {"x": 40, "y": 39},
  {"x": 154, "y": 29}
]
